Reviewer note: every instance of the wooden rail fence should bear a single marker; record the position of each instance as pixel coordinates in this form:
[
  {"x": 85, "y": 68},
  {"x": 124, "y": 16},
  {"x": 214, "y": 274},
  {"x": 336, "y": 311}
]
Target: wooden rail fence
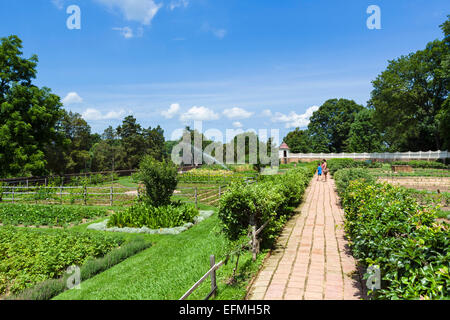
[{"x": 211, "y": 273}]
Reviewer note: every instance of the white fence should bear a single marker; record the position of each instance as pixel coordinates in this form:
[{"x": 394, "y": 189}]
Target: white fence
[{"x": 421, "y": 155}]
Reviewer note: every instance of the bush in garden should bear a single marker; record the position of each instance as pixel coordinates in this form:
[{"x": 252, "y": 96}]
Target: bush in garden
[
  {"x": 390, "y": 229},
  {"x": 159, "y": 179},
  {"x": 143, "y": 214},
  {"x": 344, "y": 176},
  {"x": 272, "y": 199}
]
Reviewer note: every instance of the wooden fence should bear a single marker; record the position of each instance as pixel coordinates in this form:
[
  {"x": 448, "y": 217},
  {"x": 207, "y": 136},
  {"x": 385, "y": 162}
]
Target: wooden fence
[
  {"x": 102, "y": 195},
  {"x": 211, "y": 273}
]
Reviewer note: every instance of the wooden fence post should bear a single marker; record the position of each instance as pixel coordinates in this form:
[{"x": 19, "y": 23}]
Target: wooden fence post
[
  {"x": 212, "y": 263},
  {"x": 111, "y": 196},
  {"x": 13, "y": 195},
  {"x": 254, "y": 240},
  {"x": 85, "y": 195},
  {"x": 60, "y": 194},
  {"x": 196, "y": 200}
]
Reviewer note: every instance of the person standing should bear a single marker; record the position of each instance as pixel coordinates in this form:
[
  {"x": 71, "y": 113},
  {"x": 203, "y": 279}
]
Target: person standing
[{"x": 325, "y": 169}]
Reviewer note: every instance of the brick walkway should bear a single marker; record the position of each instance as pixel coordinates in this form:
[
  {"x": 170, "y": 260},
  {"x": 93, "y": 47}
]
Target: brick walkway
[{"x": 311, "y": 259}]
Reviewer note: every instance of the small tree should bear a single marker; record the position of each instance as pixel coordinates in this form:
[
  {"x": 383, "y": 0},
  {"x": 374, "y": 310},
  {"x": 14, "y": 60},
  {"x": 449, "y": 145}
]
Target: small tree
[{"x": 159, "y": 179}]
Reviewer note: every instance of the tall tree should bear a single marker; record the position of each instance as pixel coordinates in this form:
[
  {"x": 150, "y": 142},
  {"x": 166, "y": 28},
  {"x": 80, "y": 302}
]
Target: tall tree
[
  {"x": 409, "y": 98},
  {"x": 28, "y": 114},
  {"x": 329, "y": 126},
  {"x": 132, "y": 140},
  {"x": 364, "y": 135},
  {"x": 298, "y": 141}
]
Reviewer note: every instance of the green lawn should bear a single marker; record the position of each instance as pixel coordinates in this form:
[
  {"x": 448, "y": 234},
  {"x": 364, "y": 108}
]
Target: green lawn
[{"x": 169, "y": 268}]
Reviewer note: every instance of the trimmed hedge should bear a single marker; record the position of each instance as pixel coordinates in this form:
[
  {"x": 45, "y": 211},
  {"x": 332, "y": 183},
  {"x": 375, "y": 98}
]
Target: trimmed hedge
[
  {"x": 389, "y": 228},
  {"x": 273, "y": 198}
]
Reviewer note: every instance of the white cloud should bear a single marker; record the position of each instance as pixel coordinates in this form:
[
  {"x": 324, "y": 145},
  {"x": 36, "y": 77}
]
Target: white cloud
[
  {"x": 294, "y": 120},
  {"x": 237, "y": 124},
  {"x": 142, "y": 11},
  {"x": 71, "y": 98},
  {"x": 173, "y": 110},
  {"x": 180, "y": 3},
  {"x": 58, "y": 4},
  {"x": 199, "y": 114},
  {"x": 237, "y": 113},
  {"x": 126, "y": 32},
  {"x": 94, "y": 115}
]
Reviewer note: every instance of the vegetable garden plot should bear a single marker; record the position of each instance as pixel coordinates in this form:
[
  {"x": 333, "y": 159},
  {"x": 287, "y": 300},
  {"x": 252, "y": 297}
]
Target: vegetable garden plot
[
  {"x": 47, "y": 215},
  {"x": 29, "y": 256}
]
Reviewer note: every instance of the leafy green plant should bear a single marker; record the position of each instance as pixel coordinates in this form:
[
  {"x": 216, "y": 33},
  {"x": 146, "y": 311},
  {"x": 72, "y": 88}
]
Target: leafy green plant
[
  {"x": 389, "y": 228},
  {"x": 344, "y": 176},
  {"x": 30, "y": 256},
  {"x": 47, "y": 215},
  {"x": 159, "y": 179},
  {"x": 144, "y": 214},
  {"x": 270, "y": 200},
  {"x": 52, "y": 287}
]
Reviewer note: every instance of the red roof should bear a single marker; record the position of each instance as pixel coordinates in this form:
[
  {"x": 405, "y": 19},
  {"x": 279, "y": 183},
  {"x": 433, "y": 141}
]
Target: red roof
[{"x": 284, "y": 146}]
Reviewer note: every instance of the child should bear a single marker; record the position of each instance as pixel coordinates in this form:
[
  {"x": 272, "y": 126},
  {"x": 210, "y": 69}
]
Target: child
[{"x": 319, "y": 171}]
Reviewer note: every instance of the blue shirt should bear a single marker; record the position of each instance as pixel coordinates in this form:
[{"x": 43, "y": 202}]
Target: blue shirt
[{"x": 319, "y": 169}]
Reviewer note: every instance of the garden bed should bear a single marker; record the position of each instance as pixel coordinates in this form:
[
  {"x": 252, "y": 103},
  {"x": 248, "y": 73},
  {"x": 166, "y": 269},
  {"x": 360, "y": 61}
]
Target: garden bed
[
  {"x": 48, "y": 215},
  {"x": 29, "y": 256},
  {"x": 103, "y": 226}
]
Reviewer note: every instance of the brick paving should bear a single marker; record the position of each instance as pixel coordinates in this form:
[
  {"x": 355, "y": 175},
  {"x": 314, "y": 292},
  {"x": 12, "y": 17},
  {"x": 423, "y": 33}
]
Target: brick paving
[{"x": 311, "y": 260}]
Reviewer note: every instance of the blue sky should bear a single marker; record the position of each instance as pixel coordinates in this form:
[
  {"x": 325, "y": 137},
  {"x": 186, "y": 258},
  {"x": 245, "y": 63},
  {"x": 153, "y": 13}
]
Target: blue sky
[{"x": 250, "y": 63}]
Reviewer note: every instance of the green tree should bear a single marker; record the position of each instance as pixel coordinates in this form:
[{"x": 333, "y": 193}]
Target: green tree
[
  {"x": 28, "y": 114},
  {"x": 108, "y": 154},
  {"x": 132, "y": 140},
  {"x": 298, "y": 141},
  {"x": 364, "y": 135},
  {"x": 409, "y": 98},
  {"x": 329, "y": 126},
  {"x": 159, "y": 179},
  {"x": 71, "y": 155}
]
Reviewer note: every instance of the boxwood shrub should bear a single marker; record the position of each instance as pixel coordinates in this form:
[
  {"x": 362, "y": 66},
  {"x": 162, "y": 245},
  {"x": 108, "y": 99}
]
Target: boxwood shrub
[{"x": 389, "y": 228}]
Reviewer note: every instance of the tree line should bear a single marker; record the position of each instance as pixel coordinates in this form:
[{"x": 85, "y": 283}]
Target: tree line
[
  {"x": 409, "y": 109},
  {"x": 39, "y": 137}
]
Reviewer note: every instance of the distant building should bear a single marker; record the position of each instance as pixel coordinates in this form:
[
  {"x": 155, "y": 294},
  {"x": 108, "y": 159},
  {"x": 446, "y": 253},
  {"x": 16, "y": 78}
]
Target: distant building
[{"x": 284, "y": 153}]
